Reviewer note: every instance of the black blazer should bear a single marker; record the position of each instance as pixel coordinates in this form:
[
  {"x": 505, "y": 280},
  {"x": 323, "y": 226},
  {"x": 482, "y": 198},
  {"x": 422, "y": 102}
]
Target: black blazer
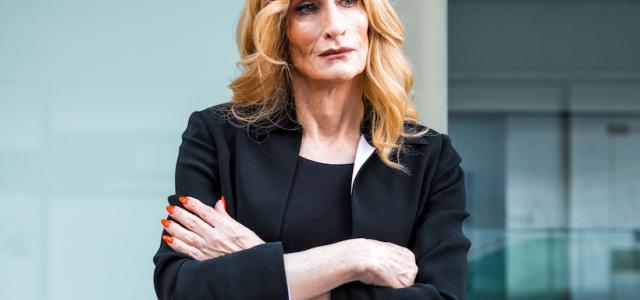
[{"x": 254, "y": 169}]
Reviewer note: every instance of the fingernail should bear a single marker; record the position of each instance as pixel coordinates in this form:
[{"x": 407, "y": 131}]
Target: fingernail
[
  {"x": 170, "y": 208},
  {"x": 165, "y": 223},
  {"x": 183, "y": 200},
  {"x": 167, "y": 239},
  {"x": 224, "y": 203}
]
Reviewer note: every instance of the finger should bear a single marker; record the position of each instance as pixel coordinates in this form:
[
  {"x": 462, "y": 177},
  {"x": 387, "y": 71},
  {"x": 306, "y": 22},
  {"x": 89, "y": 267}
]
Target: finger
[
  {"x": 180, "y": 246},
  {"x": 402, "y": 274},
  {"x": 205, "y": 212},
  {"x": 392, "y": 279},
  {"x": 176, "y": 230},
  {"x": 190, "y": 221},
  {"x": 221, "y": 207}
]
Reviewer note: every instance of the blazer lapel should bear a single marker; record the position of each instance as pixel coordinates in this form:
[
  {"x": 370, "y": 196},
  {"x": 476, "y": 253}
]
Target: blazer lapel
[{"x": 265, "y": 167}]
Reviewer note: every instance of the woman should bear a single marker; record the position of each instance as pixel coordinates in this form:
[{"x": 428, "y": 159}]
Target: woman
[{"x": 328, "y": 186}]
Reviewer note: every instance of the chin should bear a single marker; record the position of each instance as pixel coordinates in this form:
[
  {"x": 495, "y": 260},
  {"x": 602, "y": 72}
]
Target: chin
[
  {"x": 337, "y": 78},
  {"x": 338, "y": 75}
]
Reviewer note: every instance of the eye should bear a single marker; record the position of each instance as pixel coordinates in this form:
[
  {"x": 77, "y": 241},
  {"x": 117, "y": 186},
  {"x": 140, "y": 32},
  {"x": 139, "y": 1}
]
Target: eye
[
  {"x": 349, "y": 3},
  {"x": 306, "y": 8}
]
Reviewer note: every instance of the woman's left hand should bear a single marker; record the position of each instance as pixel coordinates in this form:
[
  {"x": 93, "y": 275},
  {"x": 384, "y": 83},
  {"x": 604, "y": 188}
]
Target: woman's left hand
[{"x": 205, "y": 232}]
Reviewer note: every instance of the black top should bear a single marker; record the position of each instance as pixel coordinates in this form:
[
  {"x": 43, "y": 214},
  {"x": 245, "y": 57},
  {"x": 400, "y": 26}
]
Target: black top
[{"x": 319, "y": 207}]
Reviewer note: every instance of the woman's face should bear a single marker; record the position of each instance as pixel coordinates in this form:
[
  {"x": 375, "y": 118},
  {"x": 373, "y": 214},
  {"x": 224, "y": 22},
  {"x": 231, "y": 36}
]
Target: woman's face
[{"x": 328, "y": 38}]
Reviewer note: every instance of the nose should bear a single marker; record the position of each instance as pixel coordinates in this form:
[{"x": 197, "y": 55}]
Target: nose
[{"x": 334, "y": 23}]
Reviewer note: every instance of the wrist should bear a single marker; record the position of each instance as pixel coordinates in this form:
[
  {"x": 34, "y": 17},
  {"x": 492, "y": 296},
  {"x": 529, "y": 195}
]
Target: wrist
[{"x": 347, "y": 258}]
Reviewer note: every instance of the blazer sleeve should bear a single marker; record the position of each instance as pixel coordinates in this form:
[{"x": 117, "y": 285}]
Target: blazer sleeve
[
  {"x": 254, "y": 273},
  {"x": 440, "y": 245}
]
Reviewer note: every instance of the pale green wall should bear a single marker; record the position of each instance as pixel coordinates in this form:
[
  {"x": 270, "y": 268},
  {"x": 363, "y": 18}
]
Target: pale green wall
[{"x": 93, "y": 98}]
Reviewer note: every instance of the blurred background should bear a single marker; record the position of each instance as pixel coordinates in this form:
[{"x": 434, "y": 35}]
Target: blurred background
[{"x": 540, "y": 97}]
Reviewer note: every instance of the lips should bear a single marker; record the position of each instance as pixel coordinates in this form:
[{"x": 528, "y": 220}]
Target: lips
[{"x": 336, "y": 51}]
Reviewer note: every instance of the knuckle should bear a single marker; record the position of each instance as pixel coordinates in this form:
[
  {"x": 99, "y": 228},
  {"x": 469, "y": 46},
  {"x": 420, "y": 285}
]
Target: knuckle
[
  {"x": 235, "y": 231},
  {"x": 235, "y": 238},
  {"x": 209, "y": 210},
  {"x": 197, "y": 242},
  {"x": 408, "y": 253},
  {"x": 240, "y": 240},
  {"x": 214, "y": 241},
  {"x": 191, "y": 224},
  {"x": 213, "y": 220},
  {"x": 225, "y": 223},
  {"x": 177, "y": 248},
  {"x": 189, "y": 240},
  {"x": 209, "y": 237}
]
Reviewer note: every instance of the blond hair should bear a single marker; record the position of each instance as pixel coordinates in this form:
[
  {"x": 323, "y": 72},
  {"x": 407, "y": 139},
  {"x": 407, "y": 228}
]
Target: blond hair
[{"x": 265, "y": 82}]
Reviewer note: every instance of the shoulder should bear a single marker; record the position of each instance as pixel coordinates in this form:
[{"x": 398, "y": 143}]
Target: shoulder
[
  {"x": 212, "y": 125},
  {"x": 430, "y": 136},
  {"x": 215, "y": 118},
  {"x": 433, "y": 144},
  {"x": 215, "y": 114}
]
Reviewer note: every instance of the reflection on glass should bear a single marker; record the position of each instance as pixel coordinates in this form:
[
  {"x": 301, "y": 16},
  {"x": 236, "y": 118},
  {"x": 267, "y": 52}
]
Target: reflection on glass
[{"x": 554, "y": 200}]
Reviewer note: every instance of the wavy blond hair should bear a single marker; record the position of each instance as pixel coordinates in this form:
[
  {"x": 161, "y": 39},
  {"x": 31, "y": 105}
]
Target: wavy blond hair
[{"x": 264, "y": 86}]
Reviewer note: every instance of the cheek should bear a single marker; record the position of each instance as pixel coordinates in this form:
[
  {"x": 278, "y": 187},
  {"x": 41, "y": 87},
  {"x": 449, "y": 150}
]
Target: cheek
[
  {"x": 361, "y": 30},
  {"x": 301, "y": 37},
  {"x": 360, "y": 24}
]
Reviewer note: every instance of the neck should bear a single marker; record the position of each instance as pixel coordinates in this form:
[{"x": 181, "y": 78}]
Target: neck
[{"x": 329, "y": 110}]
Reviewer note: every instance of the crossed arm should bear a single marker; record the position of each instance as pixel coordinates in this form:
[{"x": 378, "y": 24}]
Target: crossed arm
[
  {"x": 204, "y": 232},
  {"x": 263, "y": 271}
]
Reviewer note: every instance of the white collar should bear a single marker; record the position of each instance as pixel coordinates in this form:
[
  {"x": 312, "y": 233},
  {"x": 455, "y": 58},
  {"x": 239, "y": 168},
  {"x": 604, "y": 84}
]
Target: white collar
[{"x": 363, "y": 152}]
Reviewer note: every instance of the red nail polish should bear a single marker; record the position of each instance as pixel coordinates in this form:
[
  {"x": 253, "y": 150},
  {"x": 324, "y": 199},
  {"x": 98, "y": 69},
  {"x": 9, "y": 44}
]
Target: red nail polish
[
  {"x": 224, "y": 203},
  {"x": 165, "y": 223},
  {"x": 170, "y": 208},
  {"x": 167, "y": 239},
  {"x": 183, "y": 200}
]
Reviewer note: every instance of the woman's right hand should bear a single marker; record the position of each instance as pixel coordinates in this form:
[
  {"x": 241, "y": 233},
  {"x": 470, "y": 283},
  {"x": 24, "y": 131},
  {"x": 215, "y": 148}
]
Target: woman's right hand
[{"x": 383, "y": 263}]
